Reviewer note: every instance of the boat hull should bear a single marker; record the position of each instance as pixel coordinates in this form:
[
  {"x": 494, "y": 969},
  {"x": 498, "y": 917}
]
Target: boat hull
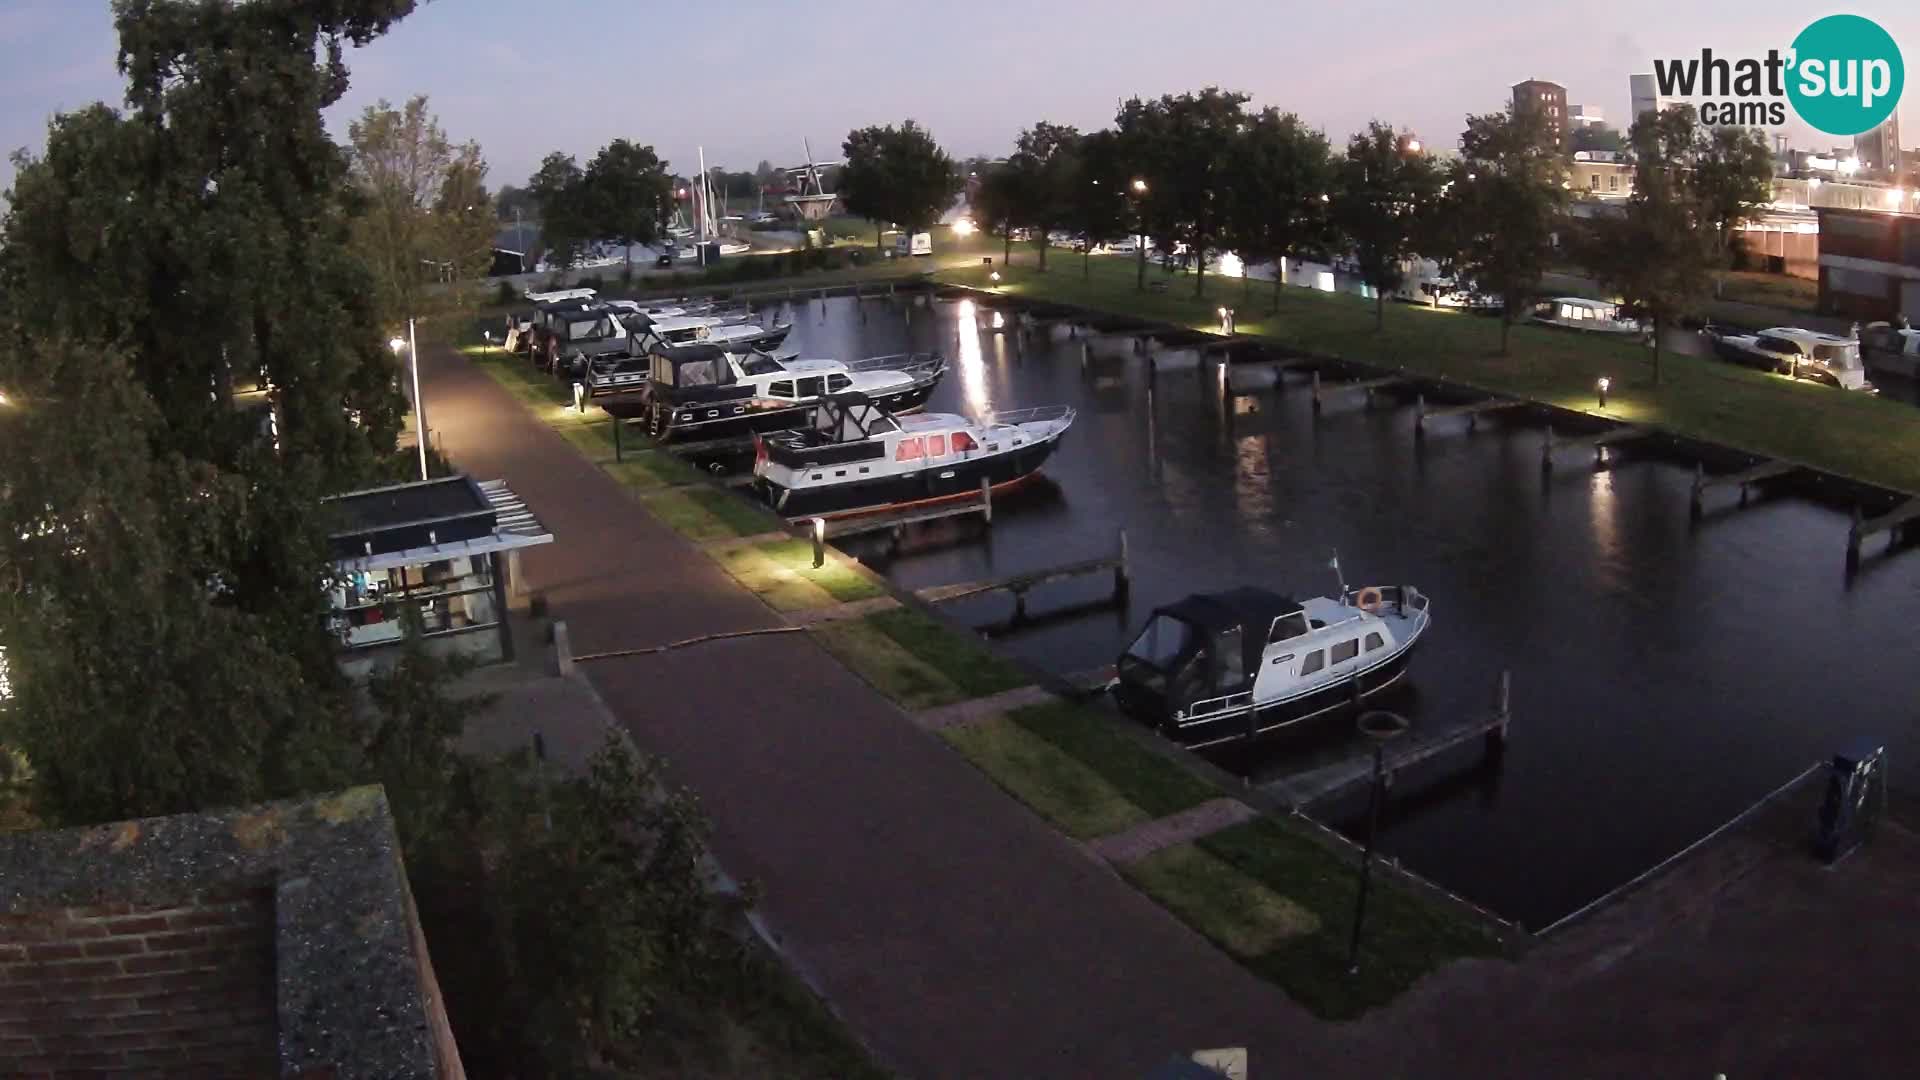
[
  {"x": 1323, "y": 703},
  {"x": 934, "y": 484},
  {"x": 725, "y": 420}
]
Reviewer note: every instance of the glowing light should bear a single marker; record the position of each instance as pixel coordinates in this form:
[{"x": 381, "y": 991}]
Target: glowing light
[
  {"x": 4, "y": 400},
  {"x": 1231, "y": 265},
  {"x": 963, "y": 227},
  {"x": 1895, "y": 196},
  {"x": 1605, "y": 383},
  {"x": 1813, "y": 183},
  {"x": 1413, "y": 146},
  {"x": 1850, "y": 166},
  {"x": 1139, "y": 186},
  {"x": 999, "y": 321},
  {"x": 396, "y": 344},
  {"x": 994, "y": 277},
  {"x": 973, "y": 367}
]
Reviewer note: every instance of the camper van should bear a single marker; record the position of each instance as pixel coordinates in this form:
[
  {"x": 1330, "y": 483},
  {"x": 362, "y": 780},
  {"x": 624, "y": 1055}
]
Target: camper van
[{"x": 913, "y": 244}]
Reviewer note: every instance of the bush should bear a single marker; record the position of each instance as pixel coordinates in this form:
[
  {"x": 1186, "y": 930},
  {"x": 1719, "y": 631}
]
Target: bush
[{"x": 504, "y": 293}]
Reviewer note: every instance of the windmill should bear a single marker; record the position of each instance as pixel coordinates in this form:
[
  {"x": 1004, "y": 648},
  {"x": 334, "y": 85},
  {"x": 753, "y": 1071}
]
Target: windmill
[{"x": 813, "y": 202}]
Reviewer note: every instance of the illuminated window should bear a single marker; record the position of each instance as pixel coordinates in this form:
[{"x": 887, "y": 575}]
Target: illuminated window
[
  {"x": 909, "y": 450},
  {"x": 936, "y": 446},
  {"x": 963, "y": 442}
]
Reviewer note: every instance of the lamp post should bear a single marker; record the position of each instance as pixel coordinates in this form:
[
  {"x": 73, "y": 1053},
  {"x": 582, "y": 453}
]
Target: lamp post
[
  {"x": 419, "y": 409},
  {"x": 1602, "y": 386},
  {"x": 1140, "y": 238},
  {"x": 1380, "y": 726}
]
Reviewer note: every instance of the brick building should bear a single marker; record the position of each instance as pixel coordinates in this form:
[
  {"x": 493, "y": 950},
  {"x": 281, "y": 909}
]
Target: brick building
[
  {"x": 1549, "y": 99},
  {"x": 1869, "y": 264},
  {"x": 279, "y": 940}
]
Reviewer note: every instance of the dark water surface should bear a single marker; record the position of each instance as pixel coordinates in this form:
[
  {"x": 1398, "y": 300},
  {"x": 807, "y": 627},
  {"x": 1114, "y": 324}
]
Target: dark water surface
[{"x": 1664, "y": 676}]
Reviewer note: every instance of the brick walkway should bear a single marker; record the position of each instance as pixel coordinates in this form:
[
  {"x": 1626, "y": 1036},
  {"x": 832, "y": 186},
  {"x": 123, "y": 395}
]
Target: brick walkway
[{"x": 1150, "y": 836}]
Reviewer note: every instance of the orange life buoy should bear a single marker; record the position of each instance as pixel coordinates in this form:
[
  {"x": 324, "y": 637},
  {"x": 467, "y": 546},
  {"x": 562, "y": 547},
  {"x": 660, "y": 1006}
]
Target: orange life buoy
[{"x": 1369, "y": 599}]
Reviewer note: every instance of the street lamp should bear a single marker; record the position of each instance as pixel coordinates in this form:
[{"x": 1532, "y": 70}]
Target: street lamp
[
  {"x": 1380, "y": 726},
  {"x": 1602, "y": 385},
  {"x": 1140, "y": 238},
  {"x": 419, "y": 409},
  {"x": 819, "y": 531},
  {"x": 1139, "y": 186}
]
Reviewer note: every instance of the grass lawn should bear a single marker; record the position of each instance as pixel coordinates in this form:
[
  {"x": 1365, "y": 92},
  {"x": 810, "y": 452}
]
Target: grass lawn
[
  {"x": 706, "y": 513},
  {"x": 645, "y": 469},
  {"x": 782, "y": 573},
  {"x": 1149, "y": 781},
  {"x": 1845, "y": 433},
  {"x": 1073, "y": 797},
  {"x": 916, "y": 661},
  {"x": 1406, "y": 936},
  {"x": 1772, "y": 290},
  {"x": 1231, "y": 909}
]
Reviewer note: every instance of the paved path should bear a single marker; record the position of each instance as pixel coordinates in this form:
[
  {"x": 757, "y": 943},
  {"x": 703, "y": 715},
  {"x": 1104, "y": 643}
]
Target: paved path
[
  {"x": 1191, "y": 824},
  {"x": 958, "y": 933}
]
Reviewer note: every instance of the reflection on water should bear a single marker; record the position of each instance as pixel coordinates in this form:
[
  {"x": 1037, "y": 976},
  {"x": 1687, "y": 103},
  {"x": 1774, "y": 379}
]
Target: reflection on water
[{"x": 1665, "y": 675}]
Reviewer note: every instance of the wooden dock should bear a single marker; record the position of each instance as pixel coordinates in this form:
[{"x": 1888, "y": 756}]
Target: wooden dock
[
  {"x": 1367, "y": 386},
  {"x": 1236, "y": 378},
  {"x": 1024, "y": 582},
  {"x": 1894, "y": 523},
  {"x": 1744, "y": 479},
  {"x": 1328, "y": 778},
  {"x": 1471, "y": 411},
  {"x": 896, "y": 521},
  {"x": 1623, "y": 433}
]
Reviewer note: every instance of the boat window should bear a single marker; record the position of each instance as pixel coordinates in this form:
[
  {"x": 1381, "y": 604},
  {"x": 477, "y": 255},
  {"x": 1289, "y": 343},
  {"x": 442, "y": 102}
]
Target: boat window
[
  {"x": 936, "y": 446},
  {"x": 1288, "y": 626},
  {"x": 963, "y": 442},
  {"x": 1315, "y": 661},
  {"x": 760, "y": 364},
  {"x": 1776, "y": 345},
  {"x": 703, "y": 373},
  {"x": 1233, "y": 667},
  {"x": 1840, "y": 356},
  {"x": 1346, "y": 650},
  {"x": 783, "y": 388},
  {"x": 1278, "y": 660},
  {"x": 663, "y": 371},
  {"x": 1375, "y": 641},
  {"x": 837, "y": 383},
  {"x": 909, "y": 450},
  {"x": 811, "y": 387},
  {"x": 1164, "y": 641}
]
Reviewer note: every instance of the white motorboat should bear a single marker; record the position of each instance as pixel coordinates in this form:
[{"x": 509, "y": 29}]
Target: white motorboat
[
  {"x": 1580, "y": 313},
  {"x": 1797, "y": 353}
]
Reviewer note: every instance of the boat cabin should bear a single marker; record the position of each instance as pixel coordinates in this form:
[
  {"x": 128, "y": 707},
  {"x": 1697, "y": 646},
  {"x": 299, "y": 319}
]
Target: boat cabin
[{"x": 1578, "y": 310}]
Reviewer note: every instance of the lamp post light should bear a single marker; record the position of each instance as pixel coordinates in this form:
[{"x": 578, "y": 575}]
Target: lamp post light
[
  {"x": 1602, "y": 386},
  {"x": 1380, "y": 726},
  {"x": 1140, "y": 238},
  {"x": 419, "y": 410},
  {"x": 819, "y": 531}
]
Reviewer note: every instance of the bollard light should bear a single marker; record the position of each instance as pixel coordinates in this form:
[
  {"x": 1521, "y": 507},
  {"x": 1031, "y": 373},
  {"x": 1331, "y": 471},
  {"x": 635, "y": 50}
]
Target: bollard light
[
  {"x": 396, "y": 344},
  {"x": 819, "y": 542},
  {"x": 4, "y": 399},
  {"x": 994, "y": 277},
  {"x": 1602, "y": 385}
]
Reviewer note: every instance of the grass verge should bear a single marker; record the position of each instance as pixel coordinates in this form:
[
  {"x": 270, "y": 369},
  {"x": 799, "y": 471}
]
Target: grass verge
[
  {"x": 1147, "y": 780},
  {"x": 1231, "y": 909},
  {"x": 1849, "y": 434},
  {"x": 703, "y": 514},
  {"x": 1077, "y": 800},
  {"x": 916, "y": 661},
  {"x": 781, "y": 572}
]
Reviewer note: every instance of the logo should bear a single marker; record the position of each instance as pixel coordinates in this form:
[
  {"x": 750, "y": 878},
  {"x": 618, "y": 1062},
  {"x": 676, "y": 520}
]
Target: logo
[{"x": 1842, "y": 75}]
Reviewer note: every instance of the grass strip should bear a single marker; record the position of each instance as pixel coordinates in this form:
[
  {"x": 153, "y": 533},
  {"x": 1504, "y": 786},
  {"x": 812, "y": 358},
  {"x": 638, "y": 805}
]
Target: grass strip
[
  {"x": 782, "y": 572},
  {"x": 972, "y": 667},
  {"x": 909, "y": 681},
  {"x": 1149, "y": 781},
  {"x": 1073, "y": 797},
  {"x": 1229, "y": 908}
]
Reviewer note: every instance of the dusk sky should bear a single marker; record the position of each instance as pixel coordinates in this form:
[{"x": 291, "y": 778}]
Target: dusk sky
[{"x": 748, "y": 80}]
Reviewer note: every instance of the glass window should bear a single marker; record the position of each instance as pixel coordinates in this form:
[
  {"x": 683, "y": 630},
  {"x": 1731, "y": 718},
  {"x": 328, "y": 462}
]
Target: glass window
[
  {"x": 936, "y": 446},
  {"x": 760, "y": 364},
  {"x": 963, "y": 442},
  {"x": 783, "y": 388},
  {"x": 1375, "y": 641},
  {"x": 812, "y": 387},
  {"x": 1346, "y": 650},
  {"x": 1233, "y": 669},
  {"x": 1777, "y": 345},
  {"x": 702, "y": 373},
  {"x": 1288, "y": 626},
  {"x": 1314, "y": 661},
  {"x": 837, "y": 383},
  {"x": 1593, "y": 181},
  {"x": 909, "y": 450},
  {"x": 1163, "y": 641}
]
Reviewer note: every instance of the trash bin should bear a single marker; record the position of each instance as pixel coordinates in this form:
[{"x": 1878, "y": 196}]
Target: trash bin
[{"x": 1855, "y": 780}]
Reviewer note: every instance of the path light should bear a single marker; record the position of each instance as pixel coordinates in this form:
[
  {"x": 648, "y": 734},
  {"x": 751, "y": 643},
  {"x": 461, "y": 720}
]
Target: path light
[
  {"x": 396, "y": 344},
  {"x": 1603, "y": 384},
  {"x": 819, "y": 542},
  {"x": 4, "y": 399},
  {"x": 994, "y": 277},
  {"x": 1139, "y": 186}
]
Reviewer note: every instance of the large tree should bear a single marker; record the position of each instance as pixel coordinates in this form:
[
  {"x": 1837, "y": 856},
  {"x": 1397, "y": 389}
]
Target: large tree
[
  {"x": 1500, "y": 208},
  {"x": 628, "y": 195},
  {"x": 996, "y": 205},
  {"x": 425, "y": 212},
  {"x": 1382, "y": 189},
  {"x": 1660, "y": 255},
  {"x": 896, "y": 175},
  {"x": 559, "y": 189},
  {"x": 1280, "y": 179},
  {"x": 1097, "y": 200},
  {"x": 1046, "y": 160},
  {"x": 1733, "y": 173},
  {"x": 1187, "y": 140},
  {"x": 162, "y": 557}
]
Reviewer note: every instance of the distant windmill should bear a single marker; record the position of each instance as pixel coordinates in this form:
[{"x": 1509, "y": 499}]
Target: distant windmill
[{"x": 813, "y": 202}]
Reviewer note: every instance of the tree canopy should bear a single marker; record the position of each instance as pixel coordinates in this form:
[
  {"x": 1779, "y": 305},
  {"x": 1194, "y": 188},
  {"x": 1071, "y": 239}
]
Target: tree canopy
[
  {"x": 897, "y": 175},
  {"x": 426, "y": 216},
  {"x": 1381, "y": 193},
  {"x": 1279, "y": 180},
  {"x": 1184, "y": 143},
  {"x": 1046, "y": 162},
  {"x": 627, "y": 195}
]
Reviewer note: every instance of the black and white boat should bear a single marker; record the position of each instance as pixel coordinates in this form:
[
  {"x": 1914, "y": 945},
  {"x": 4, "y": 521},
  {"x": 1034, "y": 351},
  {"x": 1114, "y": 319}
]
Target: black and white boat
[
  {"x": 705, "y": 392},
  {"x": 1219, "y": 667},
  {"x": 1796, "y": 353},
  {"x": 732, "y": 332},
  {"x": 857, "y": 457},
  {"x": 526, "y": 329}
]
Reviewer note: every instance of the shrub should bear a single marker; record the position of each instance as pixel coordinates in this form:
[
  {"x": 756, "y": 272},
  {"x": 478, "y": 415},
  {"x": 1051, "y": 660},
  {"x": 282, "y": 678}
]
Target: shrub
[{"x": 504, "y": 293}]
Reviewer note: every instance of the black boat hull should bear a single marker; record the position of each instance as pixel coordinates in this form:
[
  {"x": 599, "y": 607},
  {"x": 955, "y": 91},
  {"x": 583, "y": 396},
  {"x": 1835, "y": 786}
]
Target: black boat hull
[
  {"x": 722, "y": 420},
  {"x": 935, "y": 483},
  {"x": 1328, "y": 702}
]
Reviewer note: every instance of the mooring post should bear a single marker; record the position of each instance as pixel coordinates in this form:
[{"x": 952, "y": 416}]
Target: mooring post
[
  {"x": 1316, "y": 393},
  {"x": 1086, "y": 355},
  {"x": 1502, "y": 711},
  {"x": 1122, "y": 577},
  {"x": 986, "y": 499},
  {"x": 1546, "y": 451},
  {"x": 562, "y": 649},
  {"x": 1699, "y": 488},
  {"x": 1853, "y": 541},
  {"x": 617, "y": 453},
  {"x": 1419, "y": 414}
]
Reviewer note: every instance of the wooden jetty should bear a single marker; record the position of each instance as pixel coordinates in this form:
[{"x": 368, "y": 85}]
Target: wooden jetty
[
  {"x": 1367, "y": 386},
  {"x": 1471, "y": 411},
  {"x": 1021, "y": 583},
  {"x": 1744, "y": 479},
  {"x": 1623, "y": 433},
  {"x": 1894, "y": 523},
  {"x": 1230, "y": 385},
  {"x": 896, "y": 521},
  {"x": 1326, "y": 779}
]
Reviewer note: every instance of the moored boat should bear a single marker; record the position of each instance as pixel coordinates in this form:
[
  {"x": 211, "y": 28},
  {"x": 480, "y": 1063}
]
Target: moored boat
[
  {"x": 705, "y": 392},
  {"x": 1797, "y": 353},
  {"x": 1219, "y": 667},
  {"x": 857, "y": 457},
  {"x": 1580, "y": 313}
]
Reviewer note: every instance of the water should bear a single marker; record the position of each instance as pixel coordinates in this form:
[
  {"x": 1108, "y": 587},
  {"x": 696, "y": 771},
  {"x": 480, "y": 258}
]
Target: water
[{"x": 1664, "y": 676}]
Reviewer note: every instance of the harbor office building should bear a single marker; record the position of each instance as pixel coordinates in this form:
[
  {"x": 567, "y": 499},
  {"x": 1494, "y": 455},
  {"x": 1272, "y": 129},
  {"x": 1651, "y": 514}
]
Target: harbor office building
[
  {"x": 1869, "y": 264},
  {"x": 445, "y": 549}
]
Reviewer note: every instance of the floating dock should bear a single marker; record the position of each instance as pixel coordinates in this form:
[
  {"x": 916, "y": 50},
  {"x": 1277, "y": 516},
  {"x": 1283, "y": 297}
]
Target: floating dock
[
  {"x": 1744, "y": 479},
  {"x": 1021, "y": 583},
  {"x": 1623, "y": 433},
  {"x": 1894, "y": 523},
  {"x": 1367, "y": 386},
  {"x": 1471, "y": 411}
]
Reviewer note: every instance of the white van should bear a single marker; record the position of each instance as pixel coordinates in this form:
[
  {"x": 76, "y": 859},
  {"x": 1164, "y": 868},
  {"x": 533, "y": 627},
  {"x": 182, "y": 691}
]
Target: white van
[{"x": 919, "y": 243}]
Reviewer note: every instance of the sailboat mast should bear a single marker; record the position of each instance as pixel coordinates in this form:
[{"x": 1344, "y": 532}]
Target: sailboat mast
[{"x": 704, "y": 209}]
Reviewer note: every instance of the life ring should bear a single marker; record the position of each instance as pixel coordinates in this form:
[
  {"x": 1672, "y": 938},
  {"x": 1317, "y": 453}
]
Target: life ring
[{"x": 1369, "y": 599}]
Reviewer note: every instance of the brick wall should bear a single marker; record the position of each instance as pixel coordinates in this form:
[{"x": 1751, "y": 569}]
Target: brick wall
[{"x": 121, "y": 990}]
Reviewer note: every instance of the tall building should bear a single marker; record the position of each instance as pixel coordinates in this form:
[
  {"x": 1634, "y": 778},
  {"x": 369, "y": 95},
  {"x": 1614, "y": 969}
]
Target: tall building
[
  {"x": 1549, "y": 99},
  {"x": 1879, "y": 149},
  {"x": 1645, "y": 91},
  {"x": 1586, "y": 116}
]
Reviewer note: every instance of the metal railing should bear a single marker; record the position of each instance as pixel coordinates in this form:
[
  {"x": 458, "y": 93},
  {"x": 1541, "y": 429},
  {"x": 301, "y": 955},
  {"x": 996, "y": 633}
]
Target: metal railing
[
  {"x": 915, "y": 364},
  {"x": 1039, "y": 414}
]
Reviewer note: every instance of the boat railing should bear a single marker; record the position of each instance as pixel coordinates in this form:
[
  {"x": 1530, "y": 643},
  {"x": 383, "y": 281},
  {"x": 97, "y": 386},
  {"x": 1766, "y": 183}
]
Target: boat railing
[
  {"x": 1402, "y": 598},
  {"x": 1037, "y": 415},
  {"x": 916, "y": 364},
  {"x": 1224, "y": 703}
]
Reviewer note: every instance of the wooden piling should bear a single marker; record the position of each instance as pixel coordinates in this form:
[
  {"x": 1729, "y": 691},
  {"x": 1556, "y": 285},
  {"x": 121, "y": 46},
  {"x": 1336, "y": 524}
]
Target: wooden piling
[
  {"x": 1316, "y": 392},
  {"x": 1699, "y": 486},
  {"x": 1546, "y": 452},
  {"x": 1502, "y": 711},
  {"x": 1853, "y": 541},
  {"x": 1122, "y": 574},
  {"x": 986, "y": 500},
  {"x": 1419, "y": 416}
]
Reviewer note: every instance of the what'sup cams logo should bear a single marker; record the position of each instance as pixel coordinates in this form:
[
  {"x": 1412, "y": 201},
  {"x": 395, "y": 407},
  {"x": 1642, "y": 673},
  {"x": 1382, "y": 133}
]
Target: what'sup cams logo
[{"x": 1843, "y": 75}]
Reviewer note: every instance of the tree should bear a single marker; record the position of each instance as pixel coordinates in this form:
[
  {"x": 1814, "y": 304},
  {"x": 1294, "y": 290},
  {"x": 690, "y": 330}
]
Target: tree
[
  {"x": 400, "y": 162},
  {"x": 627, "y": 195},
  {"x": 996, "y": 203},
  {"x": 511, "y": 200},
  {"x": 764, "y": 174},
  {"x": 1279, "y": 180},
  {"x": 162, "y": 612},
  {"x": 1188, "y": 139},
  {"x": 1732, "y": 170},
  {"x": 898, "y": 175},
  {"x": 1596, "y": 138},
  {"x": 1500, "y": 208},
  {"x": 1381, "y": 192},
  {"x": 1660, "y": 255},
  {"x": 1097, "y": 206},
  {"x": 464, "y": 220},
  {"x": 1045, "y": 159},
  {"x": 1141, "y": 128},
  {"x": 559, "y": 189}
]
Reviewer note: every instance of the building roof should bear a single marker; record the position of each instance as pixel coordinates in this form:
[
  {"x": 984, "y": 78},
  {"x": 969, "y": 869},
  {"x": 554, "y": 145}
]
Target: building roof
[
  {"x": 273, "y": 940},
  {"x": 473, "y": 518}
]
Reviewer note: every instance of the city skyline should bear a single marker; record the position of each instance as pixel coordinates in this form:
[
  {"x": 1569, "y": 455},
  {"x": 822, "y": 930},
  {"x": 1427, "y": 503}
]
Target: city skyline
[{"x": 755, "y": 82}]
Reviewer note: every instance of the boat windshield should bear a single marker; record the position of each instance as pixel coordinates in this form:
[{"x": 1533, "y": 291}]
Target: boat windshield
[
  {"x": 1845, "y": 357},
  {"x": 760, "y": 364},
  {"x": 1163, "y": 643}
]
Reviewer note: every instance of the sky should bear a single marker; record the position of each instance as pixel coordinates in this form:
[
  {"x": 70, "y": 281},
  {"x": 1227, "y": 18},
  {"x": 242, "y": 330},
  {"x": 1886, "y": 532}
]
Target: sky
[{"x": 748, "y": 80}]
